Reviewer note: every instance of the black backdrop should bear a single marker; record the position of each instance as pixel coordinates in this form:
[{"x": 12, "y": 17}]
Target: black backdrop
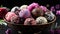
[{"x": 11, "y": 3}]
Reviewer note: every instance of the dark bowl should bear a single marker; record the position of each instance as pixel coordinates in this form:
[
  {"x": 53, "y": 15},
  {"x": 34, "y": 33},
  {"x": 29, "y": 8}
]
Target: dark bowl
[{"x": 31, "y": 28}]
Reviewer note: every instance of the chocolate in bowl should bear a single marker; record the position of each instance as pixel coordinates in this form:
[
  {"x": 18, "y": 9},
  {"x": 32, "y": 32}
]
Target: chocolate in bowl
[{"x": 31, "y": 28}]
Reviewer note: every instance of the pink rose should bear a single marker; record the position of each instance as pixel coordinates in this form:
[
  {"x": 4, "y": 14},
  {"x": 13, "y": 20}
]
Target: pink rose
[{"x": 3, "y": 12}]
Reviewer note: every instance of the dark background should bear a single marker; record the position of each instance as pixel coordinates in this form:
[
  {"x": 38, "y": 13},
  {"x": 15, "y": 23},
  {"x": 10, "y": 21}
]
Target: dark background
[{"x": 11, "y": 3}]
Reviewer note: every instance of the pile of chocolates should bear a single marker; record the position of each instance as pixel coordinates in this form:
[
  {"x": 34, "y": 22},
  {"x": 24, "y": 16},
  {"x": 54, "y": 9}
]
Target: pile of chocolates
[{"x": 32, "y": 14}]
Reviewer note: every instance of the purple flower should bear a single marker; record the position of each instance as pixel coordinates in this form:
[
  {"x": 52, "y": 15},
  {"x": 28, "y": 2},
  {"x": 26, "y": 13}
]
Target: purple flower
[
  {"x": 8, "y": 31},
  {"x": 51, "y": 31},
  {"x": 57, "y": 6},
  {"x": 58, "y": 12},
  {"x": 57, "y": 31},
  {"x": 52, "y": 8}
]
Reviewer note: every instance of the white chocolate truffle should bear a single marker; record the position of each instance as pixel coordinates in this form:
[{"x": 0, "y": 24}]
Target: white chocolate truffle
[
  {"x": 14, "y": 9},
  {"x": 49, "y": 15},
  {"x": 23, "y": 7},
  {"x": 41, "y": 20}
]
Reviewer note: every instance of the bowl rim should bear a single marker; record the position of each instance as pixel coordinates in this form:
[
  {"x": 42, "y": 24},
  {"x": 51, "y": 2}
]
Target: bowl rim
[{"x": 38, "y": 24}]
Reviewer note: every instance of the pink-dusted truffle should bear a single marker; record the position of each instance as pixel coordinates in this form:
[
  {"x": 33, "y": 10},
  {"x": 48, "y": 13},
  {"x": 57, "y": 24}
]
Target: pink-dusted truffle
[
  {"x": 30, "y": 21},
  {"x": 32, "y": 6},
  {"x": 12, "y": 17},
  {"x": 24, "y": 13},
  {"x": 43, "y": 8}
]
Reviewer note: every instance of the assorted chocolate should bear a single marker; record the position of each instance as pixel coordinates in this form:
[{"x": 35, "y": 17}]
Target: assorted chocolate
[{"x": 32, "y": 14}]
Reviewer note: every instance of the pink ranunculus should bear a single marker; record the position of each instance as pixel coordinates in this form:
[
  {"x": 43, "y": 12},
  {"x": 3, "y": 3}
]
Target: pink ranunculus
[
  {"x": 24, "y": 13},
  {"x": 32, "y": 6}
]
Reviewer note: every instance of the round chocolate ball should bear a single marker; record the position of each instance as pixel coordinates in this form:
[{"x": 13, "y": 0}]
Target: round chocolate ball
[
  {"x": 23, "y": 7},
  {"x": 30, "y": 21},
  {"x": 11, "y": 17},
  {"x": 37, "y": 12},
  {"x": 41, "y": 20},
  {"x": 24, "y": 13},
  {"x": 16, "y": 10},
  {"x": 49, "y": 15}
]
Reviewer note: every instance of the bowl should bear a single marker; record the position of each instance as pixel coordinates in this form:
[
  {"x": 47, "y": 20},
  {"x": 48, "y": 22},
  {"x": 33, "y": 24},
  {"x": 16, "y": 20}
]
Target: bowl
[{"x": 30, "y": 28}]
